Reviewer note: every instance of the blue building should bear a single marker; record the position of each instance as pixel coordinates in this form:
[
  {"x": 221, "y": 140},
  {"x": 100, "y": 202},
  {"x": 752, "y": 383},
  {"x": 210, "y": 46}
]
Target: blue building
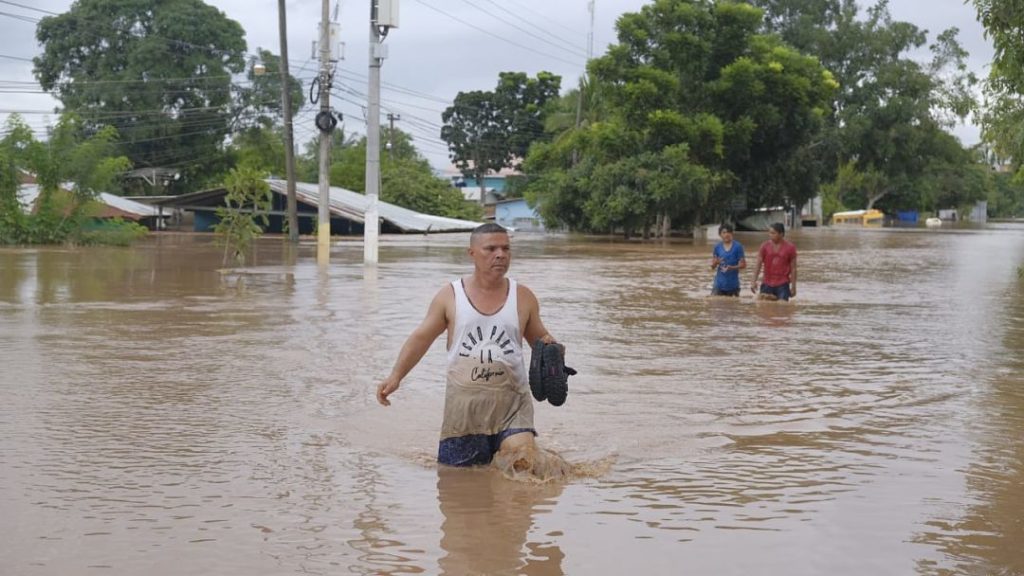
[
  {"x": 494, "y": 185},
  {"x": 518, "y": 215},
  {"x": 494, "y": 182}
]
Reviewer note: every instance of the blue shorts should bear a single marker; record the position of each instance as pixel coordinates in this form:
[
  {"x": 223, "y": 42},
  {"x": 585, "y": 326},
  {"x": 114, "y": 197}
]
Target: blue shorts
[
  {"x": 474, "y": 449},
  {"x": 781, "y": 292}
]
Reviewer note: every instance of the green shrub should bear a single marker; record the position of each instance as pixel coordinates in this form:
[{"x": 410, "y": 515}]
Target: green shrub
[
  {"x": 244, "y": 214},
  {"x": 115, "y": 232}
]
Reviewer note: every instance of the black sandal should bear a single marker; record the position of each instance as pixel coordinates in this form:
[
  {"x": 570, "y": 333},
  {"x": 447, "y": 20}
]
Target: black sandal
[
  {"x": 536, "y": 379},
  {"x": 556, "y": 374}
]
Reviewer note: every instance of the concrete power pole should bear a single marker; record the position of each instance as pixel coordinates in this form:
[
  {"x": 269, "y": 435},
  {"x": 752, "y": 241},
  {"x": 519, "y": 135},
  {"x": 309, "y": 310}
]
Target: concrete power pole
[
  {"x": 590, "y": 56},
  {"x": 289, "y": 146},
  {"x": 391, "y": 134},
  {"x": 325, "y": 124},
  {"x": 383, "y": 17}
]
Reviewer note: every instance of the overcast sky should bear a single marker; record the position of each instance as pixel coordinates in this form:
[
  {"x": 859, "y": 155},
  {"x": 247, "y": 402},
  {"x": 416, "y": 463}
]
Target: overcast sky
[{"x": 440, "y": 48}]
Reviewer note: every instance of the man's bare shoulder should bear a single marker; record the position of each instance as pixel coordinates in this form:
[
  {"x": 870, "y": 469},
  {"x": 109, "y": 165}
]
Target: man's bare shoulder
[
  {"x": 524, "y": 294},
  {"x": 445, "y": 294}
]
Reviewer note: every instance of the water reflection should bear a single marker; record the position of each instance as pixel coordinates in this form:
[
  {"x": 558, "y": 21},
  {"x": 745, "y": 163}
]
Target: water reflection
[
  {"x": 987, "y": 537},
  {"x": 775, "y": 314},
  {"x": 13, "y": 275},
  {"x": 487, "y": 524}
]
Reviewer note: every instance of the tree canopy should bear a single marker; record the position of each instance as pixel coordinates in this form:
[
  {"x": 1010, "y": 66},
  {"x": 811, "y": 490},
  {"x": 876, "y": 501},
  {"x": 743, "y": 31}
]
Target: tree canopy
[
  {"x": 1003, "y": 121},
  {"x": 406, "y": 177},
  {"x": 885, "y": 137},
  {"x": 699, "y": 111},
  {"x": 158, "y": 72},
  {"x": 488, "y": 131},
  {"x": 70, "y": 166}
]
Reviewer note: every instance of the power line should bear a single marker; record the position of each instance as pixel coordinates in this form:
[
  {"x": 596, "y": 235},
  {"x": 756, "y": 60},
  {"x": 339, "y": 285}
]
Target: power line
[
  {"x": 28, "y": 7},
  {"x": 28, "y": 19},
  {"x": 572, "y": 49},
  {"x": 544, "y": 17},
  {"x": 502, "y": 38},
  {"x": 534, "y": 23}
]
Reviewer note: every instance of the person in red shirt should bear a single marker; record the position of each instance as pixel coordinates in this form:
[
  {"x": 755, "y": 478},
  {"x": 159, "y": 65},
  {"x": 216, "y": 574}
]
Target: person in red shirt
[{"x": 778, "y": 256}]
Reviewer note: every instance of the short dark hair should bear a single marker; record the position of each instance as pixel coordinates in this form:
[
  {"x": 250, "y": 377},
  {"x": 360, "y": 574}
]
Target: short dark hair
[
  {"x": 725, "y": 228},
  {"x": 778, "y": 227},
  {"x": 488, "y": 228}
]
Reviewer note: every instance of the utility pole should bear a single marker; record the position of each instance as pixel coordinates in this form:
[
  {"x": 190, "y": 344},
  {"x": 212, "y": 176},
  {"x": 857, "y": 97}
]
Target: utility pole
[
  {"x": 590, "y": 55},
  {"x": 289, "y": 146},
  {"x": 383, "y": 17},
  {"x": 391, "y": 134},
  {"x": 325, "y": 122}
]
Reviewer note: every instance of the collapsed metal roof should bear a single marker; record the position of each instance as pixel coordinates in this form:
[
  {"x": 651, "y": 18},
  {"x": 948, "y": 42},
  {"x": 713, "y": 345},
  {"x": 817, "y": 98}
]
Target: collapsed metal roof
[
  {"x": 353, "y": 205},
  {"x": 117, "y": 205},
  {"x": 131, "y": 207}
]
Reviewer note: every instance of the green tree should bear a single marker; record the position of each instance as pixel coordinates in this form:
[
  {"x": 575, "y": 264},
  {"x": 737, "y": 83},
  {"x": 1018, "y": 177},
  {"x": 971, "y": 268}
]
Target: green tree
[
  {"x": 75, "y": 154},
  {"x": 307, "y": 164},
  {"x": 349, "y": 170},
  {"x": 258, "y": 104},
  {"x": 397, "y": 145},
  {"x": 1003, "y": 120},
  {"x": 409, "y": 183},
  {"x": 488, "y": 131},
  {"x": 406, "y": 177},
  {"x": 696, "y": 109},
  {"x": 159, "y": 72},
  {"x": 71, "y": 166},
  {"x": 14, "y": 153},
  {"x": 1006, "y": 197},
  {"x": 259, "y": 147},
  {"x": 12, "y": 219},
  {"x": 244, "y": 214},
  {"x": 885, "y": 134},
  {"x": 71, "y": 155}
]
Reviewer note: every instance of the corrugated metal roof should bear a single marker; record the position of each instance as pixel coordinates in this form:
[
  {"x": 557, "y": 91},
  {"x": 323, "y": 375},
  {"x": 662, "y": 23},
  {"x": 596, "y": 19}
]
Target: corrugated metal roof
[
  {"x": 126, "y": 205},
  {"x": 28, "y": 193},
  {"x": 353, "y": 205}
]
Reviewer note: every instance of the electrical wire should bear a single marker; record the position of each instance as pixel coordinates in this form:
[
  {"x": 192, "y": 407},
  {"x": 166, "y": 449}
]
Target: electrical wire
[
  {"x": 29, "y": 7},
  {"x": 488, "y": 32},
  {"x": 575, "y": 51}
]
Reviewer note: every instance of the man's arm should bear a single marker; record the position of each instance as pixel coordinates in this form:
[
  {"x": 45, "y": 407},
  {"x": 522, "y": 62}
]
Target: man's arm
[
  {"x": 417, "y": 344},
  {"x": 757, "y": 272},
  {"x": 792, "y": 277}
]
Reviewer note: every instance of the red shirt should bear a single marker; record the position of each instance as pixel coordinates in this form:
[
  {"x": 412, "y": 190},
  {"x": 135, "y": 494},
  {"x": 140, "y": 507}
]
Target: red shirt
[{"x": 778, "y": 262}]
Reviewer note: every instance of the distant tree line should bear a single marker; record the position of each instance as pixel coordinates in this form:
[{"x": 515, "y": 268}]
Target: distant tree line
[
  {"x": 168, "y": 85},
  {"x": 705, "y": 109},
  {"x": 700, "y": 111}
]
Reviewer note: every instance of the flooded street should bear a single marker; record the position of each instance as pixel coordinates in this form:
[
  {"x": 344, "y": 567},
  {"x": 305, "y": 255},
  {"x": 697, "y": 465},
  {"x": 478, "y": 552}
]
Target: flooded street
[{"x": 159, "y": 417}]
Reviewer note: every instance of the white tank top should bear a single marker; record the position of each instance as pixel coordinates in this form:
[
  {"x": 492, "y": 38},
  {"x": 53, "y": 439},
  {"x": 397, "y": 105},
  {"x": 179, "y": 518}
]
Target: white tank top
[
  {"x": 487, "y": 387},
  {"x": 487, "y": 342}
]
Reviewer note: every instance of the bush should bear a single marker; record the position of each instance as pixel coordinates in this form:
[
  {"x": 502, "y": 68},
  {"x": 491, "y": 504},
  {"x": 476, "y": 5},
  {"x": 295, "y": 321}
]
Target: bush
[{"x": 116, "y": 232}]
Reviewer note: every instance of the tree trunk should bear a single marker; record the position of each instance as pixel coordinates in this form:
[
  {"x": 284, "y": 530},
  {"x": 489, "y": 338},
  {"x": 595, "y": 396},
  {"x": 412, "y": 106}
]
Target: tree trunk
[
  {"x": 875, "y": 198},
  {"x": 666, "y": 225}
]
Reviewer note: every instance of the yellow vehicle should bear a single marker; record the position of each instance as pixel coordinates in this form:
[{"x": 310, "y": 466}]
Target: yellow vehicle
[{"x": 868, "y": 218}]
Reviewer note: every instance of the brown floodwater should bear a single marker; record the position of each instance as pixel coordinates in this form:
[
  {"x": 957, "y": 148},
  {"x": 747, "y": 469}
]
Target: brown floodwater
[{"x": 161, "y": 416}]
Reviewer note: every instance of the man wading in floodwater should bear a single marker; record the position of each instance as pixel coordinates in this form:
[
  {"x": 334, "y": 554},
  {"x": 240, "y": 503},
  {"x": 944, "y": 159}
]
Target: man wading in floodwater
[
  {"x": 778, "y": 256},
  {"x": 488, "y": 409}
]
